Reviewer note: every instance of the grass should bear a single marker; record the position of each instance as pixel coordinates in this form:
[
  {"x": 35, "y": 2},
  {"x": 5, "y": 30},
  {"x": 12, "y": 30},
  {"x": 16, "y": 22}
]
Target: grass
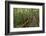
[{"x": 26, "y": 17}]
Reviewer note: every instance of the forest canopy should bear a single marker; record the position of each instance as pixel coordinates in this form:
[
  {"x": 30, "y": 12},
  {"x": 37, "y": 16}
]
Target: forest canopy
[{"x": 26, "y": 17}]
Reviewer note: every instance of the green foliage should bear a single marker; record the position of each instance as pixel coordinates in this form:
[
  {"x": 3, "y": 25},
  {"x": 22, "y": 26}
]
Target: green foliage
[{"x": 23, "y": 14}]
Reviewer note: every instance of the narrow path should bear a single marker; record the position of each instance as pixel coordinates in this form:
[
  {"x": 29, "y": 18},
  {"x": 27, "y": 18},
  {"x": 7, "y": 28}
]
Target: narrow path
[{"x": 25, "y": 23}]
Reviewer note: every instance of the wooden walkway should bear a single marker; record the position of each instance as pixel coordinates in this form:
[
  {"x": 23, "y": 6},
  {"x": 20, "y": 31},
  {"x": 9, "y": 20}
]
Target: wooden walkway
[{"x": 25, "y": 23}]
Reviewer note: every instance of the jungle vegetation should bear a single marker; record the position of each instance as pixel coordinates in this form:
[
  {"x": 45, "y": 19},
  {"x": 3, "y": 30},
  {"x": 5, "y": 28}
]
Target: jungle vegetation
[{"x": 26, "y": 17}]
